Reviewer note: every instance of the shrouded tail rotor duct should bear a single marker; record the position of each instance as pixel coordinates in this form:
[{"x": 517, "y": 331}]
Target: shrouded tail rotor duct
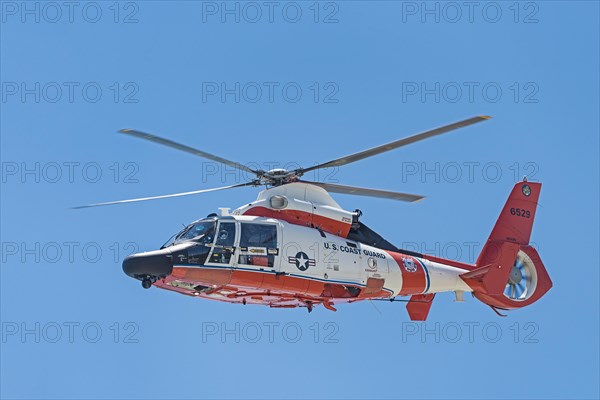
[{"x": 520, "y": 282}]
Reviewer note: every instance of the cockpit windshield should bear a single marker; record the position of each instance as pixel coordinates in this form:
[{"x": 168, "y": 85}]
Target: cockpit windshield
[
  {"x": 200, "y": 231},
  {"x": 169, "y": 242}
]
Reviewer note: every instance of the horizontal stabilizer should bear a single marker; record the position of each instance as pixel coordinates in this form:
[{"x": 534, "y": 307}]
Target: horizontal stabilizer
[
  {"x": 491, "y": 278},
  {"x": 419, "y": 305}
]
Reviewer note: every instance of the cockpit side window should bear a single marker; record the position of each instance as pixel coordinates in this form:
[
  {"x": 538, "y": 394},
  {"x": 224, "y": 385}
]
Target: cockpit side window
[
  {"x": 226, "y": 234},
  {"x": 223, "y": 249}
]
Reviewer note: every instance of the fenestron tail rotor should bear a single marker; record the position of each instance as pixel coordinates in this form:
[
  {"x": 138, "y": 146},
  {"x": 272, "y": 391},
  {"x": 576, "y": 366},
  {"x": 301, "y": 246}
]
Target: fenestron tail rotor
[
  {"x": 277, "y": 177},
  {"x": 522, "y": 279}
]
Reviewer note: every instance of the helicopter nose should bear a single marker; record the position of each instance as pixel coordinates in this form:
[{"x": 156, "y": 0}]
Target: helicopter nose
[{"x": 151, "y": 264}]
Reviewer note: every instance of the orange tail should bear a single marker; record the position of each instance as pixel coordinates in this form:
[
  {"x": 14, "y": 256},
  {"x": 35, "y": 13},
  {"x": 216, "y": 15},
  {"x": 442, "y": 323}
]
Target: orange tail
[{"x": 510, "y": 273}]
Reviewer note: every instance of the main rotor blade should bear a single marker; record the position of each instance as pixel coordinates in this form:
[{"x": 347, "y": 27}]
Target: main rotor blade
[
  {"x": 187, "y": 149},
  {"x": 165, "y": 196},
  {"x": 330, "y": 187},
  {"x": 396, "y": 144}
]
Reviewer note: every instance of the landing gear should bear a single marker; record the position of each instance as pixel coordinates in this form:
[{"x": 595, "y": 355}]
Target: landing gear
[
  {"x": 309, "y": 306},
  {"x": 146, "y": 283}
]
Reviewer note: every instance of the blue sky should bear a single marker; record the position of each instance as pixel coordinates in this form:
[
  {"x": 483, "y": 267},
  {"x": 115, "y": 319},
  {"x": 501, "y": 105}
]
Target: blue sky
[{"x": 344, "y": 76}]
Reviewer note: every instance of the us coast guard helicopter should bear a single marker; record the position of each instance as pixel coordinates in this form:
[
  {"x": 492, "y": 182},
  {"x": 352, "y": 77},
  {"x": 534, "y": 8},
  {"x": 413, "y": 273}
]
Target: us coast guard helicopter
[{"x": 294, "y": 246}]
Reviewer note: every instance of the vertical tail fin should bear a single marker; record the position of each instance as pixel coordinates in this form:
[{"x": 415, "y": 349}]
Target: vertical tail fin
[
  {"x": 509, "y": 272},
  {"x": 516, "y": 219},
  {"x": 514, "y": 225}
]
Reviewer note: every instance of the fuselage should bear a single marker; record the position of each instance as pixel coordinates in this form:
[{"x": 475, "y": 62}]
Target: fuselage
[{"x": 260, "y": 260}]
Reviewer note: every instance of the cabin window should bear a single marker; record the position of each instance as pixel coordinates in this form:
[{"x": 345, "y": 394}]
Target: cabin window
[
  {"x": 258, "y": 245},
  {"x": 259, "y": 235}
]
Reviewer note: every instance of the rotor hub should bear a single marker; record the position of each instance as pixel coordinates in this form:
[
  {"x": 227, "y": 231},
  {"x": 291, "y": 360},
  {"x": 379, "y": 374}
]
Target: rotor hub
[
  {"x": 516, "y": 276},
  {"x": 279, "y": 176}
]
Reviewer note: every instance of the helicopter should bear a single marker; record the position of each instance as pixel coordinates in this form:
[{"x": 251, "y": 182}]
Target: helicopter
[{"x": 294, "y": 246}]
